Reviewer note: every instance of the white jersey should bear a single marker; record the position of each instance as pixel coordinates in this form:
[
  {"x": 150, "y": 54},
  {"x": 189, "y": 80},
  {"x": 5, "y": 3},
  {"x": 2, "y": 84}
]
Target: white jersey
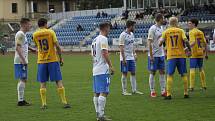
[
  {"x": 127, "y": 40},
  {"x": 21, "y": 39},
  {"x": 155, "y": 32},
  {"x": 100, "y": 66},
  {"x": 214, "y": 35}
]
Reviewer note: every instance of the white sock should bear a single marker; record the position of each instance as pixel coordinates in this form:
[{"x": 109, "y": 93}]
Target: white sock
[
  {"x": 21, "y": 90},
  {"x": 95, "y": 101},
  {"x": 162, "y": 83},
  {"x": 152, "y": 82},
  {"x": 133, "y": 83},
  {"x": 124, "y": 83},
  {"x": 101, "y": 102}
]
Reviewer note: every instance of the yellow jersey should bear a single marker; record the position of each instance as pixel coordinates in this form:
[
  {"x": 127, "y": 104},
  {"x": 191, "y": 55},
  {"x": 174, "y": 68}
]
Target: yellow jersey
[
  {"x": 197, "y": 37},
  {"x": 45, "y": 40},
  {"x": 174, "y": 38}
]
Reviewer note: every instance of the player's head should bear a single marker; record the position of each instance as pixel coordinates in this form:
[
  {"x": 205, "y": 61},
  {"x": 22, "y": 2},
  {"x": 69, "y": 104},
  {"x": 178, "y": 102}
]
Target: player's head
[
  {"x": 104, "y": 28},
  {"x": 42, "y": 23},
  {"x": 192, "y": 23},
  {"x": 25, "y": 24},
  {"x": 159, "y": 18},
  {"x": 173, "y": 21},
  {"x": 130, "y": 25}
]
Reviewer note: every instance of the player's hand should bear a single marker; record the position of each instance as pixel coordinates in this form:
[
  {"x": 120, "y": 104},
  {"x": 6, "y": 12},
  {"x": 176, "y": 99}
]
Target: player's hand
[
  {"x": 61, "y": 62},
  {"x": 112, "y": 70},
  {"x": 135, "y": 57},
  {"x": 206, "y": 57},
  {"x": 23, "y": 62},
  {"x": 124, "y": 62}
]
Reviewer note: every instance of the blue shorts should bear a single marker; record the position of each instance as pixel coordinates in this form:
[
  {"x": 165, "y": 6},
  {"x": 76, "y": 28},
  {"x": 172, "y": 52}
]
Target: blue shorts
[
  {"x": 130, "y": 66},
  {"x": 158, "y": 64},
  {"x": 101, "y": 83},
  {"x": 180, "y": 63},
  {"x": 196, "y": 62},
  {"x": 49, "y": 70},
  {"x": 21, "y": 71}
]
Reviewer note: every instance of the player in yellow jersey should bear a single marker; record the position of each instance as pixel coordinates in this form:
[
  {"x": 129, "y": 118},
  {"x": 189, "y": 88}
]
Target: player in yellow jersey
[
  {"x": 199, "y": 52},
  {"x": 48, "y": 62},
  {"x": 176, "y": 44}
]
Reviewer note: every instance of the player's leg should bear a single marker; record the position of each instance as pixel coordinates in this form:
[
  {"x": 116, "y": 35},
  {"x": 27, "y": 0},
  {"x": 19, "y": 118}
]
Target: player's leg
[
  {"x": 96, "y": 96},
  {"x": 182, "y": 69},
  {"x": 55, "y": 75},
  {"x": 43, "y": 77},
  {"x": 132, "y": 69},
  {"x": 21, "y": 74},
  {"x": 171, "y": 65},
  {"x": 193, "y": 63},
  {"x": 202, "y": 73},
  {"x": 152, "y": 70},
  {"x": 161, "y": 67},
  {"x": 124, "y": 70}
]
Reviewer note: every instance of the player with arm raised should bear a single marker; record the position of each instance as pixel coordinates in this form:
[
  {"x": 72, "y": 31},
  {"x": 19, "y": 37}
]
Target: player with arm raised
[
  {"x": 177, "y": 45},
  {"x": 21, "y": 59},
  {"x": 156, "y": 57},
  {"x": 128, "y": 58},
  {"x": 102, "y": 68},
  {"x": 48, "y": 62},
  {"x": 199, "y": 52}
]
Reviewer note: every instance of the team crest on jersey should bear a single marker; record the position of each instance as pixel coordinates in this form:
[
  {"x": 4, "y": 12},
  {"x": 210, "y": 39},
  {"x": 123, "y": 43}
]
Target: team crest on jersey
[{"x": 104, "y": 46}]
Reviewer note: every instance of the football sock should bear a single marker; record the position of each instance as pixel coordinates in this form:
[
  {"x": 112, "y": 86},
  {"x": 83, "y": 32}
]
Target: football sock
[
  {"x": 169, "y": 85},
  {"x": 133, "y": 83},
  {"x": 152, "y": 82},
  {"x": 43, "y": 95},
  {"x": 61, "y": 92},
  {"x": 184, "y": 78},
  {"x": 162, "y": 83},
  {"x": 95, "y": 101},
  {"x": 192, "y": 78},
  {"x": 21, "y": 90},
  {"x": 101, "y": 104},
  {"x": 202, "y": 77},
  {"x": 124, "y": 83}
]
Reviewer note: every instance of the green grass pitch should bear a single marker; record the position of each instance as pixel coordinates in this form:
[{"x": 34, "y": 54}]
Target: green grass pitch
[{"x": 78, "y": 83}]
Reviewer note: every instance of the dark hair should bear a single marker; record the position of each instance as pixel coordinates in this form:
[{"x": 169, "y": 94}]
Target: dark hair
[
  {"x": 194, "y": 21},
  {"x": 104, "y": 25},
  {"x": 130, "y": 23},
  {"x": 24, "y": 20},
  {"x": 42, "y": 22},
  {"x": 158, "y": 17}
]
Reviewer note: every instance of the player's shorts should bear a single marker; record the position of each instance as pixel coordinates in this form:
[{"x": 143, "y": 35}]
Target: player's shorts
[
  {"x": 49, "y": 70},
  {"x": 101, "y": 83},
  {"x": 21, "y": 71},
  {"x": 196, "y": 62},
  {"x": 180, "y": 63},
  {"x": 158, "y": 64},
  {"x": 130, "y": 66}
]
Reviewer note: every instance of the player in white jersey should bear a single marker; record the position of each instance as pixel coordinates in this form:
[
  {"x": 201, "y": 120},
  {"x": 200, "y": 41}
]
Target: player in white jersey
[
  {"x": 214, "y": 36},
  {"x": 102, "y": 68},
  {"x": 128, "y": 58},
  {"x": 21, "y": 59},
  {"x": 156, "y": 57}
]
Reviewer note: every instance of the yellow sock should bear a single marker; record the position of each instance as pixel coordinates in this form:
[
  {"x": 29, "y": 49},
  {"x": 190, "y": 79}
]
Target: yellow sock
[
  {"x": 192, "y": 78},
  {"x": 43, "y": 95},
  {"x": 169, "y": 85},
  {"x": 184, "y": 78},
  {"x": 61, "y": 92},
  {"x": 202, "y": 77}
]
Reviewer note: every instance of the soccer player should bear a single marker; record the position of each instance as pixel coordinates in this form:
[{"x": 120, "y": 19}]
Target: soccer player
[
  {"x": 48, "y": 62},
  {"x": 128, "y": 58},
  {"x": 214, "y": 36},
  {"x": 156, "y": 57},
  {"x": 21, "y": 59},
  {"x": 199, "y": 52},
  {"x": 102, "y": 68},
  {"x": 177, "y": 45}
]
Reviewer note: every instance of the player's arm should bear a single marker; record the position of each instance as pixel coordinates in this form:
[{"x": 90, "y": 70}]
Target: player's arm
[
  {"x": 186, "y": 42},
  {"x": 162, "y": 39},
  {"x": 149, "y": 43},
  {"x": 121, "y": 48},
  {"x": 19, "y": 49},
  {"x": 205, "y": 47},
  {"x": 58, "y": 48},
  {"x": 214, "y": 36}
]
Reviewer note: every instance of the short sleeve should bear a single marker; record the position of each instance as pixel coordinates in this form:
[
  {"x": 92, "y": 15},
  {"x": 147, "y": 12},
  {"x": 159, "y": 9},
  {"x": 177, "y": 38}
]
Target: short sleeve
[
  {"x": 19, "y": 39},
  {"x": 163, "y": 36},
  {"x": 203, "y": 37},
  {"x": 104, "y": 44},
  {"x": 54, "y": 36},
  {"x": 151, "y": 34},
  {"x": 184, "y": 37},
  {"x": 122, "y": 39}
]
